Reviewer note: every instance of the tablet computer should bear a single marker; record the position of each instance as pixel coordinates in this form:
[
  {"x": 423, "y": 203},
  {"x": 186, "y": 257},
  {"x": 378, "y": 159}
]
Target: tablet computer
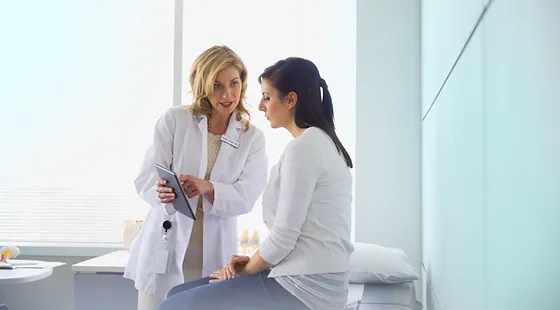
[{"x": 181, "y": 203}]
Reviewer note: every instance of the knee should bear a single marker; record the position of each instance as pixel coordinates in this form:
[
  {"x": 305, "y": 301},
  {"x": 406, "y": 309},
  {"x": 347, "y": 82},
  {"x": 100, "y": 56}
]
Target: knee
[
  {"x": 175, "y": 290},
  {"x": 177, "y": 301}
]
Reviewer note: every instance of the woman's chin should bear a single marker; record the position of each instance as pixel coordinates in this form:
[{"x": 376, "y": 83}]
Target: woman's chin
[{"x": 225, "y": 111}]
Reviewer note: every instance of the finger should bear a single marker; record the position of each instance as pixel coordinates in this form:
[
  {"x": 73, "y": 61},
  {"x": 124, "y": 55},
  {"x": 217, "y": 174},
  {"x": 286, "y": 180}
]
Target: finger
[
  {"x": 187, "y": 188},
  {"x": 194, "y": 193},
  {"x": 167, "y": 200},
  {"x": 231, "y": 268},
  {"x": 189, "y": 185},
  {"x": 215, "y": 280},
  {"x": 184, "y": 177},
  {"x": 218, "y": 275},
  {"x": 228, "y": 274},
  {"x": 164, "y": 189},
  {"x": 161, "y": 182},
  {"x": 166, "y": 195}
]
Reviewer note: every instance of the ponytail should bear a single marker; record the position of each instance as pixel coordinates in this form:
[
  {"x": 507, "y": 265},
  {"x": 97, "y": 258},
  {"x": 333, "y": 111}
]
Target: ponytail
[
  {"x": 327, "y": 103},
  {"x": 328, "y": 116}
]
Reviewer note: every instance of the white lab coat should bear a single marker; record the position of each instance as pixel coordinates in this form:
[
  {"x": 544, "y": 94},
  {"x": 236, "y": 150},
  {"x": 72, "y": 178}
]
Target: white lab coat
[{"x": 239, "y": 177}]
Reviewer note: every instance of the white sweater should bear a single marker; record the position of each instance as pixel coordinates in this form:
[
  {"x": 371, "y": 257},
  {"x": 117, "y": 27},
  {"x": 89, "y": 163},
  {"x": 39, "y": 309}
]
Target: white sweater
[{"x": 307, "y": 208}]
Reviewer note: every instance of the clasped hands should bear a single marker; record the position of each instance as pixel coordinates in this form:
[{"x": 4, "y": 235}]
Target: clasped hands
[
  {"x": 234, "y": 269},
  {"x": 192, "y": 186}
]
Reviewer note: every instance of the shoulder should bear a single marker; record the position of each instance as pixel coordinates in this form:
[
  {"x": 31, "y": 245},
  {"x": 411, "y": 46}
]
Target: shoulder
[
  {"x": 313, "y": 139},
  {"x": 177, "y": 116},
  {"x": 179, "y": 113},
  {"x": 308, "y": 146}
]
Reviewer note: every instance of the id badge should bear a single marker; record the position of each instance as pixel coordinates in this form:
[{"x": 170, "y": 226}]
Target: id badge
[{"x": 161, "y": 259}]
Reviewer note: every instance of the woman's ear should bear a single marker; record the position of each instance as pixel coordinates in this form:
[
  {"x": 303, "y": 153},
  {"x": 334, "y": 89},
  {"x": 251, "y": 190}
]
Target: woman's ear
[{"x": 292, "y": 100}]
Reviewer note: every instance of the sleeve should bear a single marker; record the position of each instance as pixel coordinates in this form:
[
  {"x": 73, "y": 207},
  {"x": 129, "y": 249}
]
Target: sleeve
[
  {"x": 239, "y": 198},
  {"x": 299, "y": 173},
  {"x": 160, "y": 152}
]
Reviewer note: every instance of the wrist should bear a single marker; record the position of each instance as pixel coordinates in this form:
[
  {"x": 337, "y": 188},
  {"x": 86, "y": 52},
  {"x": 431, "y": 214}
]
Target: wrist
[
  {"x": 210, "y": 187},
  {"x": 244, "y": 271}
]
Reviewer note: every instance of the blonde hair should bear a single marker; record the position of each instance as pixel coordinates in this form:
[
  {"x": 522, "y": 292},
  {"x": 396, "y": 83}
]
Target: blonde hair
[{"x": 203, "y": 74}]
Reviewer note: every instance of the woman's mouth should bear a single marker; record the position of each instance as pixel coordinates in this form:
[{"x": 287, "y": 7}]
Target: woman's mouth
[{"x": 226, "y": 104}]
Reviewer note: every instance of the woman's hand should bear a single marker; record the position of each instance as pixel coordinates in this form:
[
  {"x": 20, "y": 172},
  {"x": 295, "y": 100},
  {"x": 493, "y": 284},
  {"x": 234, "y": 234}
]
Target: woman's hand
[
  {"x": 236, "y": 265},
  {"x": 219, "y": 275},
  {"x": 166, "y": 194},
  {"x": 194, "y": 186}
]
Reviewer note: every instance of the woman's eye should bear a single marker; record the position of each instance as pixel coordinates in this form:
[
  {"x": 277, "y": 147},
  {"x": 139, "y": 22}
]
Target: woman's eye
[
  {"x": 234, "y": 83},
  {"x": 216, "y": 85}
]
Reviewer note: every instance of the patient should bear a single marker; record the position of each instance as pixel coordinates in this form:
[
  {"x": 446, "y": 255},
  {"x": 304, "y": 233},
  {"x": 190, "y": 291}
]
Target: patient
[{"x": 304, "y": 263}]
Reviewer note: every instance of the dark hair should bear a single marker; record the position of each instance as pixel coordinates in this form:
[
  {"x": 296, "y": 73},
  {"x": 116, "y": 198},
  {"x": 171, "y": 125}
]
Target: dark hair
[{"x": 302, "y": 77}]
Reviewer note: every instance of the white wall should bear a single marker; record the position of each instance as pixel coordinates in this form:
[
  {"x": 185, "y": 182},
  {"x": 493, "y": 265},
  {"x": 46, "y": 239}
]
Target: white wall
[
  {"x": 388, "y": 145},
  {"x": 490, "y": 155},
  {"x": 522, "y": 143}
]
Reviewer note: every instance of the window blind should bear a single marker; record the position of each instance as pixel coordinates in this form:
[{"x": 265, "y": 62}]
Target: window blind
[{"x": 82, "y": 84}]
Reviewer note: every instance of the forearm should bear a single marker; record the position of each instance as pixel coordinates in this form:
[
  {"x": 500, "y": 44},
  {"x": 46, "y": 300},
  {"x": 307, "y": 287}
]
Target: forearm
[{"x": 256, "y": 264}]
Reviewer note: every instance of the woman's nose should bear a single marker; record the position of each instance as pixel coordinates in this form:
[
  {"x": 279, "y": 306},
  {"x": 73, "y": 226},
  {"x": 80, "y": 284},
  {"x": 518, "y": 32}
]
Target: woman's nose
[
  {"x": 261, "y": 106},
  {"x": 226, "y": 93}
]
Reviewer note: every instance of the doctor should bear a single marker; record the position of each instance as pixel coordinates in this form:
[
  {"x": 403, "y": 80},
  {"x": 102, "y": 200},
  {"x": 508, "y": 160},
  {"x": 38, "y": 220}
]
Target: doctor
[{"x": 220, "y": 158}]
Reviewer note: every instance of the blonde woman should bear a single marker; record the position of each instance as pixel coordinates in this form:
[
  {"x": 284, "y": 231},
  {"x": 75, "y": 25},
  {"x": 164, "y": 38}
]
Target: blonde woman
[{"x": 221, "y": 161}]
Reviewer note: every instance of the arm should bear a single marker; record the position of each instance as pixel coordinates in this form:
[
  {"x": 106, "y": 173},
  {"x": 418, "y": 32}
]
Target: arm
[
  {"x": 255, "y": 265},
  {"x": 229, "y": 200},
  {"x": 160, "y": 152},
  {"x": 210, "y": 195},
  {"x": 299, "y": 173}
]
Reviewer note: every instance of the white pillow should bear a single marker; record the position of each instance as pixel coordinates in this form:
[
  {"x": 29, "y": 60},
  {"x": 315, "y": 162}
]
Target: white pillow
[{"x": 371, "y": 263}]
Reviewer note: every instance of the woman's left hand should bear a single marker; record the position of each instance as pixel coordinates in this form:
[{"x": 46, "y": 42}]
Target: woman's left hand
[{"x": 194, "y": 186}]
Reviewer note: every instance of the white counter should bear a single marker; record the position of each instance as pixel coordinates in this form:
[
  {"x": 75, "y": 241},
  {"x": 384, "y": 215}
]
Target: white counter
[{"x": 113, "y": 262}]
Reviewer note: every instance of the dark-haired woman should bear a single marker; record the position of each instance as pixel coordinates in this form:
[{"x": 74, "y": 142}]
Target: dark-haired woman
[{"x": 304, "y": 262}]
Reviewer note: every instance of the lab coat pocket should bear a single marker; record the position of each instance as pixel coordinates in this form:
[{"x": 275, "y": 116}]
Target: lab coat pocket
[{"x": 161, "y": 258}]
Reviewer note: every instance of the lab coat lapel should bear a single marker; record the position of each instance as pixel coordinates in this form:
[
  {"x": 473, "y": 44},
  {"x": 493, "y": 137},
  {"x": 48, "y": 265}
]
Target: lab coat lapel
[
  {"x": 233, "y": 133},
  {"x": 203, "y": 127}
]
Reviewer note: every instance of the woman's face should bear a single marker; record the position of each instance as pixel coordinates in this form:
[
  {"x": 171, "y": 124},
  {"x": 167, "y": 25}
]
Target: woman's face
[
  {"x": 278, "y": 111},
  {"x": 227, "y": 91}
]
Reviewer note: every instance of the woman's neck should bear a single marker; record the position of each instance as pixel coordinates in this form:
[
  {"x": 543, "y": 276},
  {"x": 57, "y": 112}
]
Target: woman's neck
[
  {"x": 295, "y": 130},
  {"x": 217, "y": 124}
]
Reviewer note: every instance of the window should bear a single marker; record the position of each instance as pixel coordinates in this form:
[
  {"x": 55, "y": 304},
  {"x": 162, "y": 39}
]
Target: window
[
  {"x": 81, "y": 85},
  {"x": 85, "y": 83}
]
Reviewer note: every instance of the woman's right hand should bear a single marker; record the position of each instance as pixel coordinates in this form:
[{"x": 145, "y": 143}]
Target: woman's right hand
[
  {"x": 236, "y": 264},
  {"x": 166, "y": 194}
]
